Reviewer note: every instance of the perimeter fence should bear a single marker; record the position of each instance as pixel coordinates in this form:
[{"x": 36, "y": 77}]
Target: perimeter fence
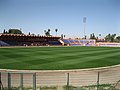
[{"x": 93, "y": 79}]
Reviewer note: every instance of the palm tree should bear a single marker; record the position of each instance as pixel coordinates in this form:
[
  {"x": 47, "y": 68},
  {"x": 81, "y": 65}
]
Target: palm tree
[
  {"x": 64, "y": 36},
  {"x": 29, "y": 33},
  {"x": 47, "y": 33},
  {"x": 48, "y": 30},
  {"x": 99, "y": 34},
  {"x": 56, "y": 31},
  {"x": 4, "y": 31}
]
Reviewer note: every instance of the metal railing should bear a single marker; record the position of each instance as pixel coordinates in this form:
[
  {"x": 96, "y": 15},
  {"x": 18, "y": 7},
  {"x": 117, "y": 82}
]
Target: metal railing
[{"x": 101, "y": 79}]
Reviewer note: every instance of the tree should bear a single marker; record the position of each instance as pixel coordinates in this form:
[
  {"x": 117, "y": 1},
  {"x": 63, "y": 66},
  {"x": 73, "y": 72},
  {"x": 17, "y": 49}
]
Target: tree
[
  {"x": 47, "y": 33},
  {"x": 64, "y": 36},
  {"x": 92, "y": 36},
  {"x": 32, "y": 34},
  {"x": 110, "y": 38},
  {"x": 44, "y": 31},
  {"x": 29, "y": 33},
  {"x": 14, "y": 31},
  {"x": 48, "y": 30},
  {"x": 56, "y": 31},
  {"x": 4, "y": 31},
  {"x": 99, "y": 34},
  {"x": 85, "y": 36},
  {"x": 113, "y": 37},
  {"x": 117, "y": 39}
]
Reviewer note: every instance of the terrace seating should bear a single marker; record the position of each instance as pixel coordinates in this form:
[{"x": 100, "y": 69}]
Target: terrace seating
[
  {"x": 71, "y": 42},
  {"x": 11, "y": 43},
  {"x": 66, "y": 41},
  {"x": 2, "y": 43},
  {"x": 79, "y": 42},
  {"x": 54, "y": 43}
]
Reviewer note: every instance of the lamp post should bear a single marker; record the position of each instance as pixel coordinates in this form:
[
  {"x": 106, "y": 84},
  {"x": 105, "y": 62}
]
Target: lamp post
[{"x": 84, "y": 21}]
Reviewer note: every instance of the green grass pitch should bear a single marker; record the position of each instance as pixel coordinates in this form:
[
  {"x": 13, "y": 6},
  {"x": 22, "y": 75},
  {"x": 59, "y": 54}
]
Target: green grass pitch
[{"x": 58, "y": 58}]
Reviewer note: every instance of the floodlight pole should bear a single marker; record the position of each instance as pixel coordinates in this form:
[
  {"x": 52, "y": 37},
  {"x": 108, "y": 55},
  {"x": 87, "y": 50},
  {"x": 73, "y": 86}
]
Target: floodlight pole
[{"x": 84, "y": 21}]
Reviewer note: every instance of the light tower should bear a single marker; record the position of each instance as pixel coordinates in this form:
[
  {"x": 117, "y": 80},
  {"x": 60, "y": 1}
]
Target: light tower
[{"x": 84, "y": 21}]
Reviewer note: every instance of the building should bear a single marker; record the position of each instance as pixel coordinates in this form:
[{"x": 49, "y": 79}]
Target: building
[{"x": 27, "y": 40}]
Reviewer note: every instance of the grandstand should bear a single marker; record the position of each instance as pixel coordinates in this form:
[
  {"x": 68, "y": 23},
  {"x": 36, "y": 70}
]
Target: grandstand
[
  {"x": 30, "y": 40},
  {"x": 3, "y": 43},
  {"x": 27, "y": 40},
  {"x": 82, "y": 42}
]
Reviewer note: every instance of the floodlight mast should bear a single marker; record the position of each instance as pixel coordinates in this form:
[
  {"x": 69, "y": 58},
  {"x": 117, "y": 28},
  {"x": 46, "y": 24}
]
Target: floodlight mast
[{"x": 84, "y": 21}]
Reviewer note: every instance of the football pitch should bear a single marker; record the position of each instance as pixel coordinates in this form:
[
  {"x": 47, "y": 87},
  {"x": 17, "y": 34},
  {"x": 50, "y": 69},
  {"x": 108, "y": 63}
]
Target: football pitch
[{"x": 58, "y": 58}]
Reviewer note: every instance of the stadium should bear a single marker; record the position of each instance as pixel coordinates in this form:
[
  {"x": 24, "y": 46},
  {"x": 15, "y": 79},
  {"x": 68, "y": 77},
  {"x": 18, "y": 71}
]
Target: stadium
[
  {"x": 54, "y": 63},
  {"x": 59, "y": 45}
]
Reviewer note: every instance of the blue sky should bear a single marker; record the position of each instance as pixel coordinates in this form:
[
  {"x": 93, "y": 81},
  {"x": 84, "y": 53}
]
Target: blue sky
[{"x": 35, "y": 16}]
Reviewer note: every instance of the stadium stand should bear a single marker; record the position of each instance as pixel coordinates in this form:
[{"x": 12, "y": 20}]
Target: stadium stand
[
  {"x": 74, "y": 42},
  {"x": 66, "y": 41},
  {"x": 27, "y": 40},
  {"x": 54, "y": 43},
  {"x": 30, "y": 40},
  {"x": 3, "y": 43},
  {"x": 13, "y": 43}
]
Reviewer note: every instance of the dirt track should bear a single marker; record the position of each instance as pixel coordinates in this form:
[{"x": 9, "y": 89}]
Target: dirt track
[{"x": 82, "y": 77}]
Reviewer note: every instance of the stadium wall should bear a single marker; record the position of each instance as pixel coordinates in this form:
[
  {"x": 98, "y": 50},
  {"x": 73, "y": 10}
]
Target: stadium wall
[{"x": 108, "y": 44}]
